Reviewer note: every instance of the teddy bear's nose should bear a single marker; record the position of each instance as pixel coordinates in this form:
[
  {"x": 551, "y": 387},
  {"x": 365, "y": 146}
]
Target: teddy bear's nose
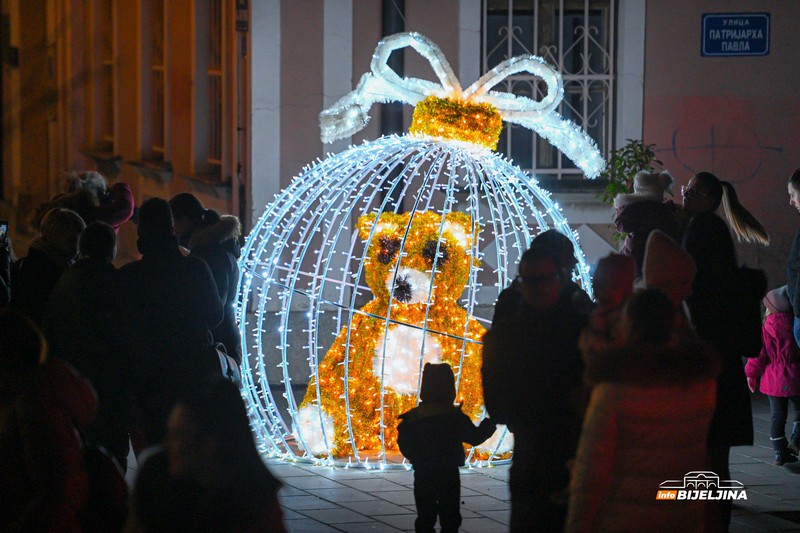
[{"x": 402, "y": 289}]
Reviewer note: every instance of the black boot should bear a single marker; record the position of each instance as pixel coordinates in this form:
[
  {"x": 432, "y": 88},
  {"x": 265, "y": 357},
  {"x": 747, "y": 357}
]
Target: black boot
[
  {"x": 782, "y": 454},
  {"x": 794, "y": 440}
]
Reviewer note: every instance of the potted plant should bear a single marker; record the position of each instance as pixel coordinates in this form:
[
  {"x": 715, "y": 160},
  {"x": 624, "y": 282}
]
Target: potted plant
[{"x": 623, "y": 164}]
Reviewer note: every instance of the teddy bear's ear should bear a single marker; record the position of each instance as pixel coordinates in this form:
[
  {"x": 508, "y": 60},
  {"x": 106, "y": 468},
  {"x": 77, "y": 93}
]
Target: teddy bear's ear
[
  {"x": 365, "y": 224},
  {"x": 459, "y": 226},
  {"x": 386, "y": 222}
]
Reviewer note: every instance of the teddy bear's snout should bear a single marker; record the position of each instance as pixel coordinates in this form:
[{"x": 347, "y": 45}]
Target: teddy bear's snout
[
  {"x": 402, "y": 289},
  {"x": 409, "y": 286}
]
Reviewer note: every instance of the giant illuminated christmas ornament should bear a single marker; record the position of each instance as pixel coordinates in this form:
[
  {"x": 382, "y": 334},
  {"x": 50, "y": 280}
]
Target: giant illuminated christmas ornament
[{"x": 390, "y": 255}]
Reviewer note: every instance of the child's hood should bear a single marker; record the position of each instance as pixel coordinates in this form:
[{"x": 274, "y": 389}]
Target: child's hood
[{"x": 429, "y": 409}]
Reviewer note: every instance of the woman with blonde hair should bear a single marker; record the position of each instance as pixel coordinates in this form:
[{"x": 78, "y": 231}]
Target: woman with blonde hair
[{"x": 705, "y": 192}]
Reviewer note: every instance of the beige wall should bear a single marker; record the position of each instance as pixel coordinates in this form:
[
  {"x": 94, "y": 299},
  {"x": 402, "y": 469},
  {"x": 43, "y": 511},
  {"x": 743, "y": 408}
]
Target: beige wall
[
  {"x": 301, "y": 85},
  {"x": 737, "y": 117}
]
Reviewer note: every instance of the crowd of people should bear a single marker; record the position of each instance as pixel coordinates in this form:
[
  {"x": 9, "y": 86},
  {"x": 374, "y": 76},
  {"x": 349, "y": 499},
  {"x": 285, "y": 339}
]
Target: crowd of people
[
  {"x": 94, "y": 359},
  {"x": 606, "y": 399},
  {"x": 650, "y": 384}
]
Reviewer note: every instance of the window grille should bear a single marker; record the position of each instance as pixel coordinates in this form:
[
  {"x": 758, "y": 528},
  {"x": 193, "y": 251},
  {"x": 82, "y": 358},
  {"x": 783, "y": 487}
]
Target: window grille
[{"x": 577, "y": 38}]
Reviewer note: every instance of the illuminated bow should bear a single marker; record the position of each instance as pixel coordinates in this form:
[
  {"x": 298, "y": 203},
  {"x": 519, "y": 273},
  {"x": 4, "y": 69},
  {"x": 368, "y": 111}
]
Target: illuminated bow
[{"x": 351, "y": 113}]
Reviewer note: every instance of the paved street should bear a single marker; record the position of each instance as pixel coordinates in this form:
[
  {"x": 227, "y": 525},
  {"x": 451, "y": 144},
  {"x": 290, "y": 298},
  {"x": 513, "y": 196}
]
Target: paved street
[
  {"x": 321, "y": 499},
  {"x": 317, "y": 500}
]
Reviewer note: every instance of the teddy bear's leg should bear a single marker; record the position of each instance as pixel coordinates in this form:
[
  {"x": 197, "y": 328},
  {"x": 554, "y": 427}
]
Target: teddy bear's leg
[
  {"x": 314, "y": 430},
  {"x": 314, "y": 425}
]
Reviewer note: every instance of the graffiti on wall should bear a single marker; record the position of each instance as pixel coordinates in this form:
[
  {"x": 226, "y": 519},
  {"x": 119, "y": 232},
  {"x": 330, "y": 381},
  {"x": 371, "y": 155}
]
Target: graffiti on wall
[{"x": 735, "y": 152}]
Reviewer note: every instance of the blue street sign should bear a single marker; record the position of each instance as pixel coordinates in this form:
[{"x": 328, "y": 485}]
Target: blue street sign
[{"x": 735, "y": 34}]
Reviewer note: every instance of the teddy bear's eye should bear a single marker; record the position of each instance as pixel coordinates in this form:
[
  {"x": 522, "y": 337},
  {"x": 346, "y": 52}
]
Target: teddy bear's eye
[
  {"x": 389, "y": 247},
  {"x": 429, "y": 252}
]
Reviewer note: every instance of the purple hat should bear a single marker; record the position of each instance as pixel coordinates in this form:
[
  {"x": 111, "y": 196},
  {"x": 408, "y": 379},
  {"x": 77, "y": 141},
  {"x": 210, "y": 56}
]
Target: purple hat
[{"x": 777, "y": 300}]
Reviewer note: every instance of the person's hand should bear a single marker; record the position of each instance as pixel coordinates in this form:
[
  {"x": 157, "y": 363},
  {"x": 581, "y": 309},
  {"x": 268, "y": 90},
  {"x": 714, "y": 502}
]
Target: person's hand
[{"x": 751, "y": 384}]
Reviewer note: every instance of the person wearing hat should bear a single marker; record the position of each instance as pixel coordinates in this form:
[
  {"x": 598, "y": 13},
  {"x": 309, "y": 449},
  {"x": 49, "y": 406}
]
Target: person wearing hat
[
  {"x": 778, "y": 368},
  {"x": 430, "y": 436},
  {"x": 640, "y": 212},
  {"x": 670, "y": 269},
  {"x": 51, "y": 252}
]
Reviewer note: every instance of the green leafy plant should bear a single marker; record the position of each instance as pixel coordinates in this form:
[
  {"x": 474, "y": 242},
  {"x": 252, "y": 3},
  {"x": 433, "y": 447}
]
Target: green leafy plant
[{"x": 623, "y": 164}]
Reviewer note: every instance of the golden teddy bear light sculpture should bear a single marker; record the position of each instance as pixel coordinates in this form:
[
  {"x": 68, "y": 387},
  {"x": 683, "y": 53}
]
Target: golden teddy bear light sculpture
[
  {"x": 417, "y": 266},
  {"x": 340, "y": 231}
]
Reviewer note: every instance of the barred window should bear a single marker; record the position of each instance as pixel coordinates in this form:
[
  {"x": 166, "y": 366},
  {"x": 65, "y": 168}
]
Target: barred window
[{"x": 577, "y": 38}]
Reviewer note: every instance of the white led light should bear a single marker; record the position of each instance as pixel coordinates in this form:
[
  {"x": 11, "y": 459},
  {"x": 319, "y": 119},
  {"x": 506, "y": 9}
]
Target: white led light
[
  {"x": 304, "y": 270},
  {"x": 350, "y": 114},
  {"x": 305, "y": 266}
]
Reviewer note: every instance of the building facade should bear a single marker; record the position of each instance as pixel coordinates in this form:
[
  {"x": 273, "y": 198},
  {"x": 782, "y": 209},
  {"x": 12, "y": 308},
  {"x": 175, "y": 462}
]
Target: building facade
[{"x": 221, "y": 97}]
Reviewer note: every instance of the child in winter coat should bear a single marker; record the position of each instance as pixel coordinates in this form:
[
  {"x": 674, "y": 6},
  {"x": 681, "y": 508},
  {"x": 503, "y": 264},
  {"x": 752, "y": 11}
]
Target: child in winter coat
[
  {"x": 431, "y": 436},
  {"x": 778, "y": 366},
  {"x": 644, "y": 210}
]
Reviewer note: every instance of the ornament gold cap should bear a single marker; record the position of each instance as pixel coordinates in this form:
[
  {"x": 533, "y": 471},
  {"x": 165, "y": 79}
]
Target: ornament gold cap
[{"x": 449, "y": 118}]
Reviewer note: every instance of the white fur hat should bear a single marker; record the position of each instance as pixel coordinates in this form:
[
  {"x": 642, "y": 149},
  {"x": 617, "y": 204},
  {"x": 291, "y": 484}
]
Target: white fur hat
[
  {"x": 89, "y": 180},
  {"x": 647, "y": 186}
]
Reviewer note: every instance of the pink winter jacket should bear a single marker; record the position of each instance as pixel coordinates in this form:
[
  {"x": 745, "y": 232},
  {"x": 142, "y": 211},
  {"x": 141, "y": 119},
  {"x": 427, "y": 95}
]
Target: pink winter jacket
[{"x": 778, "y": 364}]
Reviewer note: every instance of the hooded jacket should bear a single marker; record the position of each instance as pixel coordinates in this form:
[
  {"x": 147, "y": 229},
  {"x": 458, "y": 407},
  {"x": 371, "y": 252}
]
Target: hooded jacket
[
  {"x": 638, "y": 217},
  {"x": 218, "y": 246},
  {"x": 647, "y": 423},
  {"x": 431, "y": 434},
  {"x": 778, "y": 364}
]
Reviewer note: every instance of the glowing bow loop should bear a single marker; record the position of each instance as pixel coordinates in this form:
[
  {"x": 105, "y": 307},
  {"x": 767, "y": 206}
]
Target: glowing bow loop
[{"x": 350, "y": 114}]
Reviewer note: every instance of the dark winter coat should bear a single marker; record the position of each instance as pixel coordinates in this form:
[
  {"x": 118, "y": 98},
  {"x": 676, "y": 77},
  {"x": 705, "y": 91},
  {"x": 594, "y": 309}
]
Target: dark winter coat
[
  {"x": 532, "y": 374},
  {"x": 431, "y": 434},
  {"x": 647, "y": 402},
  {"x": 245, "y": 502},
  {"x": 33, "y": 278},
  {"x": 725, "y": 307},
  {"x": 43, "y": 482},
  {"x": 793, "y": 274},
  {"x": 638, "y": 219},
  {"x": 83, "y": 325},
  {"x": 170, "y": 304},
  {"x": 218, "y": 246}
]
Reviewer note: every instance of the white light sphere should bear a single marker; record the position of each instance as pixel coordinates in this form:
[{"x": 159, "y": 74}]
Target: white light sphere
[{"x": 305, "y": 283}]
